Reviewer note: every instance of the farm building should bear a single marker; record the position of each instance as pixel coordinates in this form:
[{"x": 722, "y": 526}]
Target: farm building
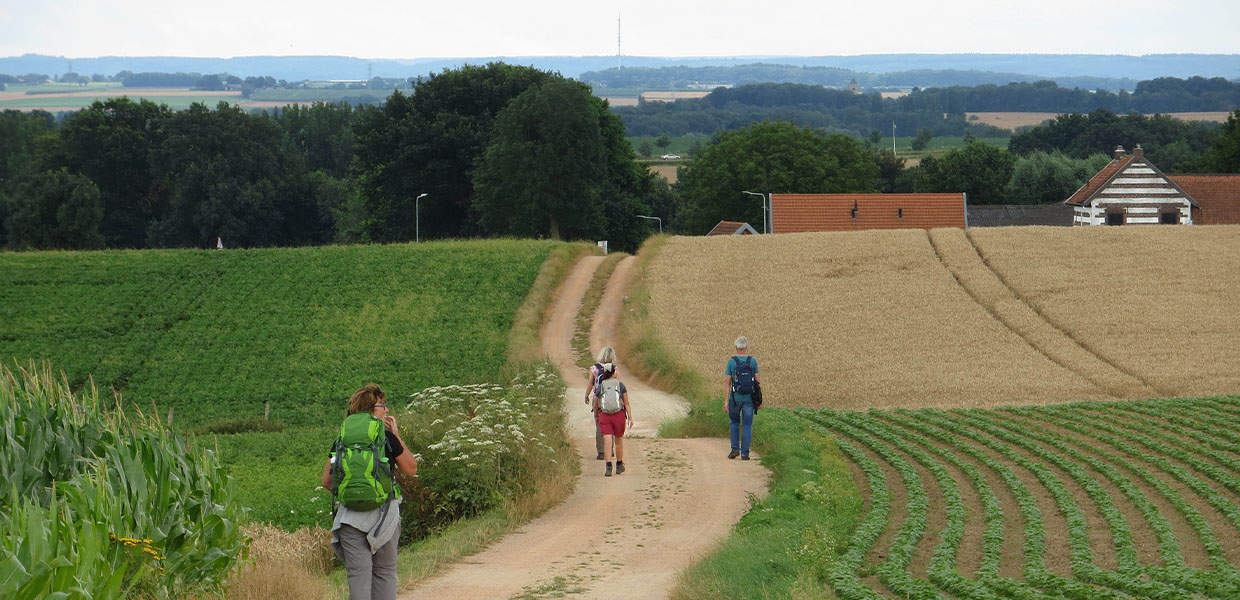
[
  {"x": 733, "y": 228},
  {"x": 1131, "y": 190},
  {"x": 793, "y": 213},
  {"x": 1217, "y": 197},
  {"x": 1015, "y": 215}
]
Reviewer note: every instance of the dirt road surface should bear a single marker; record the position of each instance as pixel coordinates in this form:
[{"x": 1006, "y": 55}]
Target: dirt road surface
[{"x": 626, "y": 536}]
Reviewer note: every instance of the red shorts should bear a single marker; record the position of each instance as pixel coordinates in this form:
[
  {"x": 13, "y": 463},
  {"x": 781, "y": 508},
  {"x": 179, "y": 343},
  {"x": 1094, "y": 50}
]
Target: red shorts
[{"x": 612, "y": 424}]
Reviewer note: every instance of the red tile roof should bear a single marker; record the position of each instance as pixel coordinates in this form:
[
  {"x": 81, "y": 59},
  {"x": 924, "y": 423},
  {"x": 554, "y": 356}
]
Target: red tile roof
[
  {"x": 792, "y": 213},
  {"x": 1218, "y": 197},
  {"x": 1096, "y": 182},
  {"x": 733, "y": 228}
]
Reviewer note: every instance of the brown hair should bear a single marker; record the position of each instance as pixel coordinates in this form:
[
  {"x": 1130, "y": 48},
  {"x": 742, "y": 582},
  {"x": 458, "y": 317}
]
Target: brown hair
[{"x": 365, "y": 399}]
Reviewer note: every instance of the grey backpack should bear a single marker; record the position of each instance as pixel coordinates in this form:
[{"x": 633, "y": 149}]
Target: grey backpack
[{"x": 609, "y": 397}]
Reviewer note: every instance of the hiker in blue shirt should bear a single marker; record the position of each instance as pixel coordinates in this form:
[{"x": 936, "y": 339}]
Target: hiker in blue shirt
[{"x": 742, "y": 372}]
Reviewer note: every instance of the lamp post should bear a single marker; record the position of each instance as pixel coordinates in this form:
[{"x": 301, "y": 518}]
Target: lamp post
[
  {"x": 417, "y": 217},
  {"x": 763, "y": 197},
  {"x": 654, "y": 218}
]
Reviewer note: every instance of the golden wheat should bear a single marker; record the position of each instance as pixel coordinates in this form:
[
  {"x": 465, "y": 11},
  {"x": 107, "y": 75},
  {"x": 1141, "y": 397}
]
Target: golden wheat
[
  {"x": 1161, "y": 302},
  {"x": 878, "y": 319}
]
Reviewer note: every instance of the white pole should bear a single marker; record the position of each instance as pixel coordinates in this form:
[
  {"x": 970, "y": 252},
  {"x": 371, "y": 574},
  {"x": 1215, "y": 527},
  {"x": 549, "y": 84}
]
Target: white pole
[
  {"x": 893, "y": 138},
  {"x": 417, "y": 217}
]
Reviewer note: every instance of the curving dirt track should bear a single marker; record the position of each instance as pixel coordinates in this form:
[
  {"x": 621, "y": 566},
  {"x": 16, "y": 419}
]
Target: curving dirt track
[{"x": 617, "y": 537}]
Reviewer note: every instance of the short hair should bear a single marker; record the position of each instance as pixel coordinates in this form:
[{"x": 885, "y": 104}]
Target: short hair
[
  {"x": 365, "y": 399},
  {"x": 742, "y": 342},
  {"x": 607, "y": 355}
]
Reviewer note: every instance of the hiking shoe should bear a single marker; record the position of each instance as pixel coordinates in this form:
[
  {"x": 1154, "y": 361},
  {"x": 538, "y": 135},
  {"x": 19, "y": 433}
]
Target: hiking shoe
[
  {"x": 734, "y": 454},
  {"x": 607, "y": 473},
  {"x": 619, "y": 468},
  {"x": 744, "y": 457},
  {"x": 599, "y": 457}
]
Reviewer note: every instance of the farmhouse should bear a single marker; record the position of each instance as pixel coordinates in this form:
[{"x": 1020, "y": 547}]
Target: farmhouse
[
  {"x": 793, "y": 213},
  {"x": 733, "y": 228},
  {"x": 1131, "y": 190}
]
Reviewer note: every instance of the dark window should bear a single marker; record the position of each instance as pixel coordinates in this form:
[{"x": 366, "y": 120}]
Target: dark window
[
  {"x": 1115, "y": 218},
  {"x": 1169, "y": 218},
  {"x": 854, "y": 214},
  {"x": 899, "y": 213}
]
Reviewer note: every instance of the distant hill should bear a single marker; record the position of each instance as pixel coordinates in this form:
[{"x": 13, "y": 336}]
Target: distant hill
[
  {"x": 1049, "y": 66},
  {"x": 686, "y": 77}
]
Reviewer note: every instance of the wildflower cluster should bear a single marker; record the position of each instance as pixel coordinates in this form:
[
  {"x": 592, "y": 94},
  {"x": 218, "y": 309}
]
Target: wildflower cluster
[{"x": 474, "y": 440}]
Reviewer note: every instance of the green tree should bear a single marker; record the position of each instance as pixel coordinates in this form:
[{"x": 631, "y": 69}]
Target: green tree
[
  {"x": 645, "y": 149},
  {"x": 663, "y": 141},
  {"x": 980, "y": 170},
  {"x": 430, "y": 141},
  {"x": 768, "y": 157},
  {"x": 1049, "y": 177},
  {"x": 923, "y": 138},
  {"x": 19, "y": 133},
  {"x": 111, "y": 143},
  {"x": 229, "y": 174},
  {"x": 542, "y": 173},
  {"x": 1224, "y": 153},
  {"x": 54, "y": 210}
]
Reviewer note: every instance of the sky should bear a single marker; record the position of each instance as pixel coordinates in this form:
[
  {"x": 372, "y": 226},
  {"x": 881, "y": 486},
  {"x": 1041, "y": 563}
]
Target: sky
[{"x": 467, "y": 28}]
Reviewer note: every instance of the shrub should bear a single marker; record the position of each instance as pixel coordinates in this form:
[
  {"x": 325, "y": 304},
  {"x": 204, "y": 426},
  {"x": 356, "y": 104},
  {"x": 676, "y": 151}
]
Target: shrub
[
  {"x": 475, "y": 445},
  {"x": 231, "y": 426}
]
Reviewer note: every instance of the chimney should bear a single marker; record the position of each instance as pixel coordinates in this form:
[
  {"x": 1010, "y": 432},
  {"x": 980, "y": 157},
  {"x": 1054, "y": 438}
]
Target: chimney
[
  {"x": 1119, "y": 152},
  {"x": 1138, "y": 153}
]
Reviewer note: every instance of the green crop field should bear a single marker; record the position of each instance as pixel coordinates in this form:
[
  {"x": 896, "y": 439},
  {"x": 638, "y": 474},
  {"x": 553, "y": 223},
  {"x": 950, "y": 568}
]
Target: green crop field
[
  {"x": 214, "y": 336},
  {"x": 1091, "y": 500},
  {"x": 316, "y": 94}
]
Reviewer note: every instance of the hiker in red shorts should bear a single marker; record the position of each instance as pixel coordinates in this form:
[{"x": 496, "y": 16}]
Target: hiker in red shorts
[{"x": 611, "y": 407}]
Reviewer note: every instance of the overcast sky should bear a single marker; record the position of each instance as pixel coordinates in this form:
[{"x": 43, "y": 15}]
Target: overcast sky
[{"x": 381, "y": 29}]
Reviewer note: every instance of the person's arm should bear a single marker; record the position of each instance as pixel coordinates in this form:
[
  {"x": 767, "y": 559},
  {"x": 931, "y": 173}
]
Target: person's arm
[
  {"x": 628, "y": 411},
  {"x": 405, "y": 460},
  {"x": 327, "y": 474},
  {"x": 589, "y": 384},
  {"x": 727, "y": 384}
]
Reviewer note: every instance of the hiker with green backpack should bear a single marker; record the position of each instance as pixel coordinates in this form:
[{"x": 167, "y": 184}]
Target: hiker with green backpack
[
  {"x": 742, "y": 398},
  {"x": 360, "y": 473}
]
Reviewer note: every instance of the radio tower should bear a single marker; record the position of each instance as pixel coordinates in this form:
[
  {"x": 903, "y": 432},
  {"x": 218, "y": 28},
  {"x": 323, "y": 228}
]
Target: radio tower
[{"x": 619, "y": 56}]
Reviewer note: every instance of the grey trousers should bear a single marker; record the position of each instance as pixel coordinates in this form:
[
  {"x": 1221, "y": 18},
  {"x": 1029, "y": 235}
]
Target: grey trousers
[
  {"x": 598, "y": 434},
  {"x": 371, "y": 576}
]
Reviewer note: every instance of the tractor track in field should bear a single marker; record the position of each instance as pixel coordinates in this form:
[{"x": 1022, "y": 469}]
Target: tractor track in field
[{"x": 625, "y": 536}]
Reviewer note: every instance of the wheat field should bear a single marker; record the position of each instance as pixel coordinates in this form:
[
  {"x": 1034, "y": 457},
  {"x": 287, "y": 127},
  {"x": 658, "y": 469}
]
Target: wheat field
[{"x": 879, "y": 319}]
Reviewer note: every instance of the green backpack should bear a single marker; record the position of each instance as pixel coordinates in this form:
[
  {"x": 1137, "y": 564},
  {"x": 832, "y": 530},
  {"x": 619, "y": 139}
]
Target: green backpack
[{"x": 361, "y": 474}]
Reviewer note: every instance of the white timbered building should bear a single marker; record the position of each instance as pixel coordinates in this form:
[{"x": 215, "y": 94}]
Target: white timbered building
[{"x": 1130, "y": 190}]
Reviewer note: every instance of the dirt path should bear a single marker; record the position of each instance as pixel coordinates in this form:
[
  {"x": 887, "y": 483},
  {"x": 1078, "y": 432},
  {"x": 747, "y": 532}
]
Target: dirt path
[{"x": 615, "y": 537}]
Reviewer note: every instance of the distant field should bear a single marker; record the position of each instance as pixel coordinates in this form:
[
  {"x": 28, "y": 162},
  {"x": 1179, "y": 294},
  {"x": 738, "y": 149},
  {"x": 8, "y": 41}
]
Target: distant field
[
  {"x": 1012, "y": 120},
  {"x": 655, "y": 96},
  {"x": 904, "y": 319},
  {"x": 621, "y": 100},
  {"x": 315, "y": 95},
  {"x": 664, "y": 170},
  {"x": 176, "y": 98}
]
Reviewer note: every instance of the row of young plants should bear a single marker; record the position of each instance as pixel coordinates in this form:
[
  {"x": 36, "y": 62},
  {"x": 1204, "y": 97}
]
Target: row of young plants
[
  {"x": 1081, "y": 455},
  {"x": 100, "y": 505}
]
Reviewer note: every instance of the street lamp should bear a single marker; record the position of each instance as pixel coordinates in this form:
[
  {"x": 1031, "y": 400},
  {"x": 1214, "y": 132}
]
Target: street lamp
[
  {"x": 417, "y": 217},
  {"x": 656, "y": 219},
  {"x": 763, "y": 197}
]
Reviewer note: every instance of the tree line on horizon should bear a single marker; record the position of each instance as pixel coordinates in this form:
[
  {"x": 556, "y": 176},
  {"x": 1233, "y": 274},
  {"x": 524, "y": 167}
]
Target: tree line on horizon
[
  {"x": 498, "y": 151},
  {"x": 941, "y": 110}
]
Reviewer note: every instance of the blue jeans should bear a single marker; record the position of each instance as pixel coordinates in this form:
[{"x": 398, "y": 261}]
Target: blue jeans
[{"x": 740, "y": 412}]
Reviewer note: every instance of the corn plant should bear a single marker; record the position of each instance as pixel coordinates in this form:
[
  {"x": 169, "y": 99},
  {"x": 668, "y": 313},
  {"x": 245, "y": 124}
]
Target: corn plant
[{"x": 104, "y": 506}]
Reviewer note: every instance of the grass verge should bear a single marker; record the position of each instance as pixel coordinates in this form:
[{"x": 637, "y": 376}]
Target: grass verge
[{"x": 784, "y": 545}]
